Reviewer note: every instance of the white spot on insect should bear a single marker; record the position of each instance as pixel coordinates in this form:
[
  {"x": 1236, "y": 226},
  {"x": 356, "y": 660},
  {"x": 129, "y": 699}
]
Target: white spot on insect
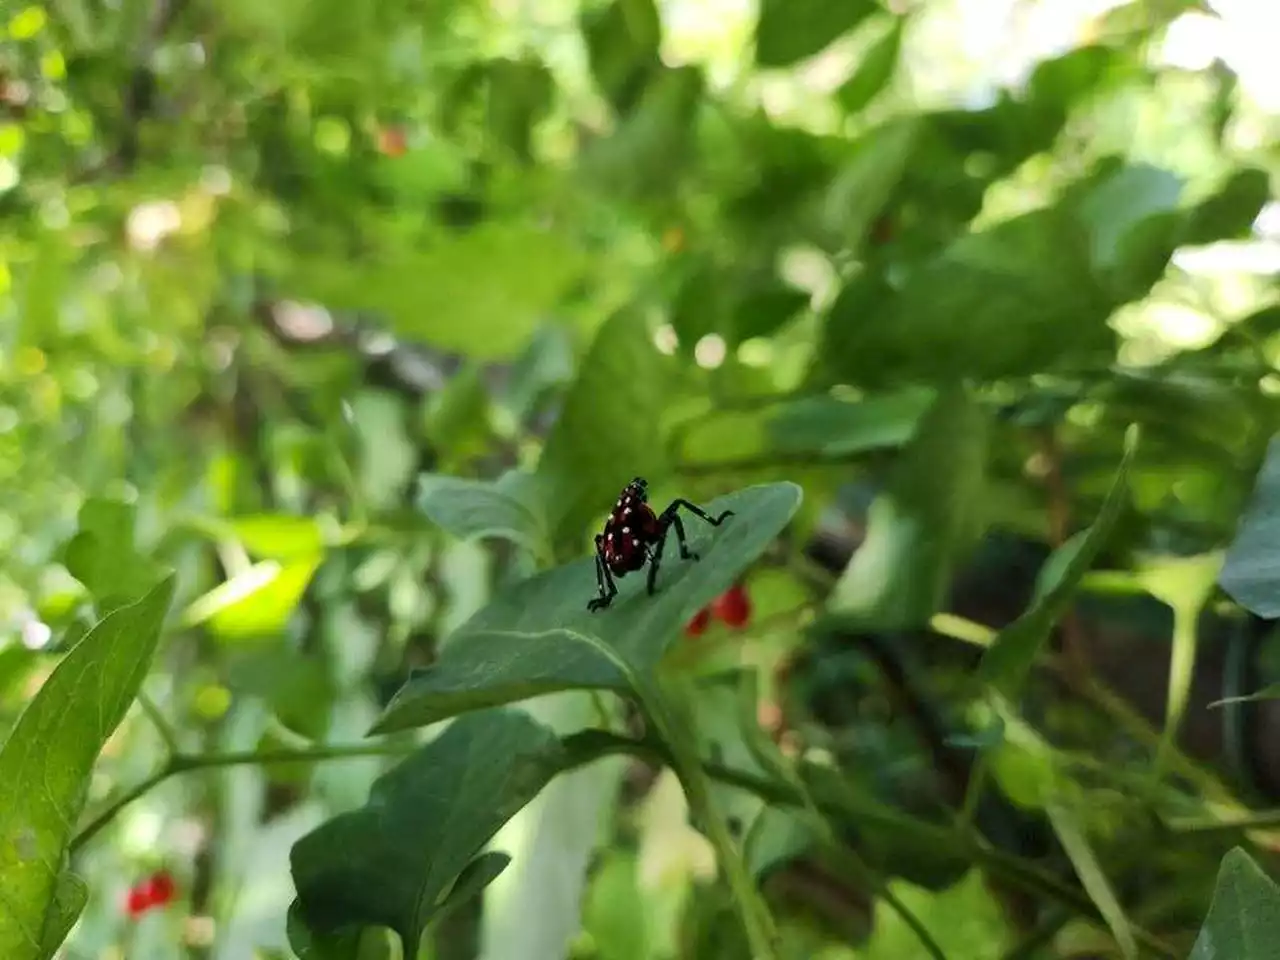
[
  {"x": 626, "y": 529},
  {"x": 608, "y": 537}
]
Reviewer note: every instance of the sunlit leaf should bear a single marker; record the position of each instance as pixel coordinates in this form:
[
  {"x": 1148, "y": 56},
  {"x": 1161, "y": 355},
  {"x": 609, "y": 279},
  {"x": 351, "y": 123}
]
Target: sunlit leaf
[
  {"x": 45, "y": 766},
  {"x": 792, "y": 30}
]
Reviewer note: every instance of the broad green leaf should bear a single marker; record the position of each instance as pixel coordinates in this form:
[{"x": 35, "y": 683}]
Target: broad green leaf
[
  {"x": 415, "y": 848},
  {"x": 69, "y": 898},
  {"x": 357, "y": 944},
  {"x": 520, "y": 94},
  {"x": 1080, "y": 852},
  {"x": 279, "y": 536},
  {"x": 1251, "y": 571},
  {"x": 1011, "y": 300},
  {"x": 837, "y": 428},
  {"x": 456, "y": 421},
  {"x": 924, "y": 523},
  {"x": 257, "y": 602},
  {"x": 102, "y": 555},
  {"x": 608, "y": 428},
  {"x": 480, "y": 293},
  {"x": 642, "y": 159},
  {"x": 1244, "y": 918},
  {"x": 546, "y": 363},
  {"x": 538, "y": 636},
  {"x": 1129, "y": 200},
  {"x": 1009, "y": 658},
  {"x": 867, "y": 179},
  {"x": 1231, "y": 211},
  {"x": 792, "y": 30},
  {"x": 46, "y": 762},
  {"x": 874, "y": 71},
  {"x": 509, "y": 507},
  {"x": 622, "y": 39},
  {"x": 965, "y": 918}
]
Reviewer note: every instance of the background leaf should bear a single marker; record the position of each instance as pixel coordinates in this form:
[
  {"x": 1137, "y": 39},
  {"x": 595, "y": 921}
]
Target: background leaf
[
  {"x": 395, "y": 861},
  {"x": 1251, "y": 570},
  {"x": 45, "y": 765},
  {"x": 791, "y": 30}
]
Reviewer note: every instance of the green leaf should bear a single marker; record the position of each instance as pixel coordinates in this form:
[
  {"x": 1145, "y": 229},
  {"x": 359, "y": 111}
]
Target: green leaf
[
  {"x": 875, "y": 71},
  {"x": 102, "y": 555},
  {"x": 412, "y": 850},
  {"x": 623, "y": 39},
  {"x": 69, "y": 897},
  {"x": 642, "y": 159},
  {"x": 1133, "y": 219},
  {"x": 924, "y": 523},
  {"x": 520, "y": 93},
  {"x": 480, "y": 293},
  {"x": 838, "y": 428},
  {"x": 1231, "y": 211},
  {"x": 792, "y": 30},
  {"x": 1251, "y": 571},
  {"x": 608, "y": 428},
  {"x": 1079, "y": 851},
  {"x": 279, "y": 536},
  {"x": 867, "y": 179},
  {"x": 965, "y": 917},
  {"x": 1008, "y": 301},
  {"x": 509, "y": 507},
  {"x": 538, "y": 636},
  {"x": 1244, "y": 918},
  {"x": 46, "y": 762},
  {"x": 1009, "y": 658},
  {"x": 457, "y": 421},
  {"x": 256, "y": 603},
  {"x": 366, "y": 944}
]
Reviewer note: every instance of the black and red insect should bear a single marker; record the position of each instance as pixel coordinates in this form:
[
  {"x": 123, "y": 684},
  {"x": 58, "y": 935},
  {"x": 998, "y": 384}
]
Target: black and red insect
[{"x": 634, "y": 535}]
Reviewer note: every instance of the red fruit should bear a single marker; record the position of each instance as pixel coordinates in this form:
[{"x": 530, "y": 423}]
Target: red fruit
[
  {"x": 392, "y": 141},
  {"x": 155, "y": 891},
  {"x": 733, "y": 606},
  {"x": 162, "y": 888},
  {"x": 698, "y": 624}
]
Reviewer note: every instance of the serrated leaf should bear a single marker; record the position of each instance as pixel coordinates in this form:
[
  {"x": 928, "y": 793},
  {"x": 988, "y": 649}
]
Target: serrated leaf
[
  {"x": 1009, "y": 658},
  {"x": 789, "y": 31},
  {"x": 538, "y": 636},
  {"x": 874, "y": 71},
  {"x": 1244, "y": 918},
  {"x": 46, "y": 762},
  {"x": 412, "y": 850},
  {"x": 608, "y": 428},
  {"x": 924, "y": 523}
]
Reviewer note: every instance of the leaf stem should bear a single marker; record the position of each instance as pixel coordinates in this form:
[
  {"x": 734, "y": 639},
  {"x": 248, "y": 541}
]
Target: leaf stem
[
  {"x": 185, "y": 763},
  {"x": 761, "y": 931},
  {"x": 168, "y": 735}
]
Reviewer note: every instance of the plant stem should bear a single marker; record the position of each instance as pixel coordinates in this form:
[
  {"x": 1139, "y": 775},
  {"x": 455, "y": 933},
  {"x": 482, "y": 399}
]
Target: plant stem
[
  {"x": 761, "y": 931},
  {"x": 185, "y": 763}
]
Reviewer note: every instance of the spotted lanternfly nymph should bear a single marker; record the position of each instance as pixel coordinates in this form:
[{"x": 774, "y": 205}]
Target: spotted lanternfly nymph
[{"x": 634, "y": 535}]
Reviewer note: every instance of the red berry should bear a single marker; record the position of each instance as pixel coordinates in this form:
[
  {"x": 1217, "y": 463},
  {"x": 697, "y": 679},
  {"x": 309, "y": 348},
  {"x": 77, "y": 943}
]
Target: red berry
[
  {"x": 162, "y": 888},
  {"x": 138, "y": 900},
  {"x": 698, "y": 625},
  {"x": 733, "y": 606},
  {"x": 155, "y": 891}
]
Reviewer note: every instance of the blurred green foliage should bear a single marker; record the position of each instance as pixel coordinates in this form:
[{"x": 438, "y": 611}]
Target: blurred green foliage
[{"x": 329, "y": 333}]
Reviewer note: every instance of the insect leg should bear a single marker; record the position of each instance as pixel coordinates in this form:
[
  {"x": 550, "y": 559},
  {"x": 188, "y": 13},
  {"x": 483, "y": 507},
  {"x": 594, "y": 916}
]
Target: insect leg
[
  {"x": 655, "y": 560},
  {"x": 669, "y": 514},
  {"x": 604, "y": 580}
]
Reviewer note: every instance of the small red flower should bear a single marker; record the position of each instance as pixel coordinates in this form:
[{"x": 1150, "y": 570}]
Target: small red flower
[
  {"x": 698, "y": 625},
  {"x": 156, "y": 890},
  {"x": 733, "y": 606}
]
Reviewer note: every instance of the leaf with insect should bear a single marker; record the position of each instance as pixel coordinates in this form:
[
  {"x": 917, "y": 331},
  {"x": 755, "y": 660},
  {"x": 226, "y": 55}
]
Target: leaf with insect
[{"x": 539, "y": 637}]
